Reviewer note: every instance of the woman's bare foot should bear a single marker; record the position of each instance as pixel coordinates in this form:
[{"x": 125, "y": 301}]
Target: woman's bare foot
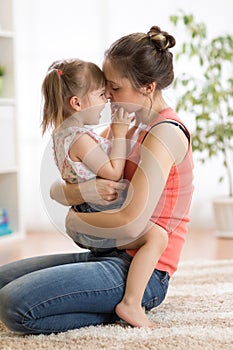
[{"x": 134, "y": 315}]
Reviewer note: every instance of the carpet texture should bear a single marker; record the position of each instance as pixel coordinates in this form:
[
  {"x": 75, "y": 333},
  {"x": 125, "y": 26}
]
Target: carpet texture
[{"x": 197, "y": 314}]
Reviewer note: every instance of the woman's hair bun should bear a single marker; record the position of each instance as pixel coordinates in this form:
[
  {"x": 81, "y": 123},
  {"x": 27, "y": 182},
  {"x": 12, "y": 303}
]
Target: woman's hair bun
[{"x": 161, "y": 40}]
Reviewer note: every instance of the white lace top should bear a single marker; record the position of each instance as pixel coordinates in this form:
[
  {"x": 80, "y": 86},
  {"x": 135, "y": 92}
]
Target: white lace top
[{"x": 63, "y": 138}]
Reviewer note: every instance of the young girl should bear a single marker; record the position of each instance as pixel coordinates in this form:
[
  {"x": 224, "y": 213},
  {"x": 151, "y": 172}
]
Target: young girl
[{"x": 74, "y": 96}]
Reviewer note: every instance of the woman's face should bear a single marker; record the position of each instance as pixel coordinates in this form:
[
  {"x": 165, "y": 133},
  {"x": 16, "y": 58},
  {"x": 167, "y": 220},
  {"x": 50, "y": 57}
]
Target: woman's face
[{"x": 120, "y": 90}]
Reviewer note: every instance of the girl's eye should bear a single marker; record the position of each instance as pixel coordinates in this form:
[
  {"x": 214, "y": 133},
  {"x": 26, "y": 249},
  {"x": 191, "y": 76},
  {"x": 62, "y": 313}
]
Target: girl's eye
[{"x": 115, "y": 88}]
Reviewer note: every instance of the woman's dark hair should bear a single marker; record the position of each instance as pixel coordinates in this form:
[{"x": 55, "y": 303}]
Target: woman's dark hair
[{"x": 144, "y": 58}]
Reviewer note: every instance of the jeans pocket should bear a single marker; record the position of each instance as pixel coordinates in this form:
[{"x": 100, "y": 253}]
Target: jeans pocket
[
  {"x": 156, "y": 290},
  {"x": 150, "y": 304},
  {"x": 165, "y": 282}
]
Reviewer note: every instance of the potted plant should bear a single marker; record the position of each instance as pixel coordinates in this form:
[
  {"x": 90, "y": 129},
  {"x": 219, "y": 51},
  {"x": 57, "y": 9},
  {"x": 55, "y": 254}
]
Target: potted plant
[
  {"x": 206, "y": 93},
  {"x": 2, "y": 72}
]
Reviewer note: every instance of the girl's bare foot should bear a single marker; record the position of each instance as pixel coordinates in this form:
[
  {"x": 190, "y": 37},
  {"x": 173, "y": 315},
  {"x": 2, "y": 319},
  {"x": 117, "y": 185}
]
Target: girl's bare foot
[{"x": 134, "y": 315}]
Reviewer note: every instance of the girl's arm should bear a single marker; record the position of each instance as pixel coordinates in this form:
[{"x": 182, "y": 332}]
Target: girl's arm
[
  {"x": 163, "y": 147},
  {"x": 105, "y": 133},
  {"x": 87, "y": 150}
]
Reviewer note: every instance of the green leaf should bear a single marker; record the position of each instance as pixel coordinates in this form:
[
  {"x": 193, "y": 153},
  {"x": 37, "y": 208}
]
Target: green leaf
[{"x": 206, "y": 94}]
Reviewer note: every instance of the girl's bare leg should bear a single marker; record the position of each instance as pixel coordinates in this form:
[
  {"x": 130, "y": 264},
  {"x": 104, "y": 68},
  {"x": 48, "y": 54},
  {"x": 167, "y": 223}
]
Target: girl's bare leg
[{"x": 150, "y": 247}]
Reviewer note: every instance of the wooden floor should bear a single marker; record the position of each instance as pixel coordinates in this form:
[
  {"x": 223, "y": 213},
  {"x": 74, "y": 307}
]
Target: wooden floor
[{"x": 200, "y": 245}]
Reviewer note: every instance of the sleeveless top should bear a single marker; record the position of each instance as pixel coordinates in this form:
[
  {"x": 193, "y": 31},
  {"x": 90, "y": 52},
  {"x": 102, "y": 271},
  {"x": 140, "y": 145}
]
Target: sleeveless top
[
  {"x": 70, "y": 170},
  {"x": 172, "y": 210}
]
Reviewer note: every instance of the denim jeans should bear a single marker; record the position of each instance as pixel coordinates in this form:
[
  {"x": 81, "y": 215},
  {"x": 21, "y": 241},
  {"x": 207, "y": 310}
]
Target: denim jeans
[
  {"x": 55, "y": 293},
  {"x": 95, "y": 244}
]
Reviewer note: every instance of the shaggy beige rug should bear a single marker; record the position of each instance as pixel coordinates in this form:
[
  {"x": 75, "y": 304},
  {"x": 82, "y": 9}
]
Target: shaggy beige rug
[{"x": 197, "y": 314}]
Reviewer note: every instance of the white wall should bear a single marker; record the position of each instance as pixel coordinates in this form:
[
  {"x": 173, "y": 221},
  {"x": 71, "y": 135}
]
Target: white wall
[{"x": 55, "y": 29}]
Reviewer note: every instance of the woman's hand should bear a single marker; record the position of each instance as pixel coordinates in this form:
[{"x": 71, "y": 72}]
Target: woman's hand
[
  {"x": 96, "y": 191},
  {"x": 101, "y": 191}
]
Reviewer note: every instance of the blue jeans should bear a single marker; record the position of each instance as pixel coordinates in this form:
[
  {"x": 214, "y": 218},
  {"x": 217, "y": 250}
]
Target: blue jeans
[
  {"x": 95, "y": 244},
  {"x": 55, "y": 293}
]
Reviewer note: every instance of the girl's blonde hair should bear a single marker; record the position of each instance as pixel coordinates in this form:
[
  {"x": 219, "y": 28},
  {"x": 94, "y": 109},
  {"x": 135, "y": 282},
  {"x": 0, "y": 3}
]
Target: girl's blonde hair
[{"x": 64, "y": 79}]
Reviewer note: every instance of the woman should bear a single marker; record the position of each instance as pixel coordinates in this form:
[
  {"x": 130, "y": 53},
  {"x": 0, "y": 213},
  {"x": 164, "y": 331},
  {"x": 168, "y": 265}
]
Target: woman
[{"x": 57, "y": 293}]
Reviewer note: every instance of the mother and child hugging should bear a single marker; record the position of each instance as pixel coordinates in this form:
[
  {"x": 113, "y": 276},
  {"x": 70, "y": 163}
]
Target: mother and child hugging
[{"x": 128, "y": 189}]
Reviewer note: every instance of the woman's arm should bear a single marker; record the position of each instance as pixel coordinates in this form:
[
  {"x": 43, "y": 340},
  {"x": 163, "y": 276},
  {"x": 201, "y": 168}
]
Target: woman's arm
[
  {"x": 163, "y": 147},
  {"x": 96, "y": 191}
]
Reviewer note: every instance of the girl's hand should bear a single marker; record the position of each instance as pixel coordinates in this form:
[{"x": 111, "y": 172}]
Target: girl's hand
[{"x": 120, "y": 122}]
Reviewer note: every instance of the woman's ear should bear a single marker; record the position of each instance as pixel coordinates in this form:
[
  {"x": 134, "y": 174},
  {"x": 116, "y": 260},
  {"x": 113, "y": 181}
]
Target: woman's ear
[
  {"x": 148, "y": 89},
  {"x": 75, "y": 103}
]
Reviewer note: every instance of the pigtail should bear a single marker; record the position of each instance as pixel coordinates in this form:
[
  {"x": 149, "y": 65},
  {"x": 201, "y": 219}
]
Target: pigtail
[{"x": 53, "y": 100}]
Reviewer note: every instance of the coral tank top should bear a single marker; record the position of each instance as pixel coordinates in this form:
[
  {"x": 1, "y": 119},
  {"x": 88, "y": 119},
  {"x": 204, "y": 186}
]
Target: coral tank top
[{"x": 172, "y": 210}]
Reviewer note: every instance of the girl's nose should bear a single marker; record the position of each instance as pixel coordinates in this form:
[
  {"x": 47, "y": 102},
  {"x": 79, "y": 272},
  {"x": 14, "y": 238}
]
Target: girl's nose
[{"x": 107, "y": 94}]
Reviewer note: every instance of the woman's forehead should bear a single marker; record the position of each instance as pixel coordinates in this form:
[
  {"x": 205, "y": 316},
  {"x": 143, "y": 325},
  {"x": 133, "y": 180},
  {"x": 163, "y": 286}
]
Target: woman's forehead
[{"x": 110, "y": 72}]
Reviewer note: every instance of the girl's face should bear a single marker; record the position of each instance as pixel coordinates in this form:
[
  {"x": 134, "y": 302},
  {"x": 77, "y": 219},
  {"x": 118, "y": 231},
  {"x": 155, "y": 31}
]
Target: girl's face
[
  {"x": 92, "y": 105},
  {"x": 120, "y": 90}
]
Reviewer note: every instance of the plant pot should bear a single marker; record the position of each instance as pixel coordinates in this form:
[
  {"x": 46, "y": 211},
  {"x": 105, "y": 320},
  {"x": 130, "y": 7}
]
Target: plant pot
[{"x": 223, "y": 211}]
